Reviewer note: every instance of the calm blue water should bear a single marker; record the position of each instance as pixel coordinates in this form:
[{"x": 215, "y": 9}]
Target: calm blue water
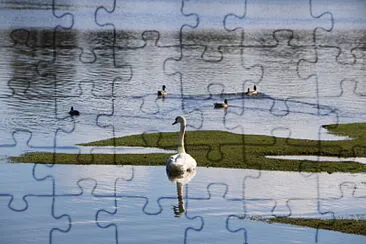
[
  {"x": 111, "y": 69},
  {"x": 136, "y": 205}
]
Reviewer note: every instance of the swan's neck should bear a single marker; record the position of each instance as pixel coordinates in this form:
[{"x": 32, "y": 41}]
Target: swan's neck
[{"x": 181, "y": 138}]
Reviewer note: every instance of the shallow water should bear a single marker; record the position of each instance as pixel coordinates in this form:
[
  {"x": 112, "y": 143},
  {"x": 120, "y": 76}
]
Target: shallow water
[
  {"x": 321, "y": 158},
  {"x": 138, "y": 203}
]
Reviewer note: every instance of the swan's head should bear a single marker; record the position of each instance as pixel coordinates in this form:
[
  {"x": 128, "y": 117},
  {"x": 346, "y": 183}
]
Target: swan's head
[
  {"x": 164, "y": 87},
  {"x": 225, "y": 101},
  {"x": 179, "y": 119},
  {"x": 72, "y": 109}
]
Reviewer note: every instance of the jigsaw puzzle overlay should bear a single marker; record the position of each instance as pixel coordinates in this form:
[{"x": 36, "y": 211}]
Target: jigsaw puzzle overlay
[{"x": 80, "y": 71}]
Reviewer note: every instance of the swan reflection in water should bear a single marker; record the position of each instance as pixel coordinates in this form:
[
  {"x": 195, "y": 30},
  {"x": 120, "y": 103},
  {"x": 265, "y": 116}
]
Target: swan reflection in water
[{"x": 181, "y": 180}]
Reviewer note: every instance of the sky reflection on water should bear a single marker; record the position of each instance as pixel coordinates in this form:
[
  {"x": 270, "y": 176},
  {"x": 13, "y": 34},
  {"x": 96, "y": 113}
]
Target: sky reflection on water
[{"x": 146, "y": 203}]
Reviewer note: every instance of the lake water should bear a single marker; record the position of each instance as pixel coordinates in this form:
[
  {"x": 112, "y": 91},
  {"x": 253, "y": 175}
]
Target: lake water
[
  {"x": 112, "y": 76},
  {"x": 136, "y": 204}
]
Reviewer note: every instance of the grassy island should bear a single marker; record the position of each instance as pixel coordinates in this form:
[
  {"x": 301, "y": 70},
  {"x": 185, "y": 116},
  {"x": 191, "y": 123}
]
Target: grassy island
[
  {"x": 228, "y": 150},
  {"x": 350, "y": 226}
]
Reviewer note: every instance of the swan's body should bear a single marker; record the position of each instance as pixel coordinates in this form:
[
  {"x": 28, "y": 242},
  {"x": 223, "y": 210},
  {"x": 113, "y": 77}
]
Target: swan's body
[
  {"x": 74, "y": 112},
  {"x": 181, "y": 162},
  {"x": 163, "y": 92},
  {"x": 252, "y": 92},
  {"x": 221, "y": 105}
]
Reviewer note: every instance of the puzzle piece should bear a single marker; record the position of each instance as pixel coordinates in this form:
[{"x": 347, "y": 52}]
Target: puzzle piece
[
  {"x": 336, "y": 103},
  {"x": 82, "y": 22},
  {"x": 22, "y": 187},
  {"x": 40, "y": 207},
  {"x": 210, "y": 30},
  {"x": 119, "y": 119},
  {"x": 41, "y": 114},
  {"x": 339, "y": 37},
  {"x": 279, "y": 62},
  {"x": 132, "y": 206},
  {"x": 252, "y": 231},
  {"x": 341, "y": 206},
  {"x": 100, "y": 104},
  {"x": 20, "y": 144},
  {"x": 21, "y": 14},
  {"x": 215, "y": 222},
  {"x": 82, "y": 210},
  {"x": 222, "y": 72},
  {"x": 328, "y": 84},
  {"x": 277, "y": 187},
  {"x": 106, "y": 179},
  {"x": 360, "y": 54},
  {"x": 231, "y": 178},
  {"x": 260, "y": 18},
  {"x": 330, "y": 185},
  {"x": 308, "y": 112},
  {"x": 134, "y": 22},
  {"x": 152, "y": 192},
  {"x": 55, "y": 36},
  {"x": 151, "y": 55}
]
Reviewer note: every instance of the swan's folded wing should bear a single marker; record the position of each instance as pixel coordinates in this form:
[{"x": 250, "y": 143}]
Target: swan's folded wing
[{"x": 190, "y": 161}]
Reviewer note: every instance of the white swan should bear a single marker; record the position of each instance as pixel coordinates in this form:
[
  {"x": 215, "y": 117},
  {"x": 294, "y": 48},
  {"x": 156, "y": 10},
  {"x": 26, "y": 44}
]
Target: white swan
[
  {"x": 163, "y": 92},
  {"x": 181, "y": 162},
  {"x": 221, "y": 105}
]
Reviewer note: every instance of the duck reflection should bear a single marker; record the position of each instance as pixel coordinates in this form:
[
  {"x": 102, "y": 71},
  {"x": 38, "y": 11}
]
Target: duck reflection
[{"x": 180, "y": 179}]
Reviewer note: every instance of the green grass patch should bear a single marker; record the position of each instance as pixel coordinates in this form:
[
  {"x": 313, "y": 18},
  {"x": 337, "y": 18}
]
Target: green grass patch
[
  {"x": 228, "y": 150},
  {"x": 350, "y": 226}
]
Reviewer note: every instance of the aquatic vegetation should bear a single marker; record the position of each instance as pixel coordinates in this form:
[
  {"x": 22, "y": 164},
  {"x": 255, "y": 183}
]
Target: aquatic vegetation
[
  {"x": 228, "y": 150},
  {"x": 351, "y": 226}
]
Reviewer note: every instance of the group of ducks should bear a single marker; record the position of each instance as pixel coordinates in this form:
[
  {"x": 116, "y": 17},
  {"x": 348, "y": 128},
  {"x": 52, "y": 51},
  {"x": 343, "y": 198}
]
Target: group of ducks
[
  {"x": 164, "y": 92},
  {"x": 225, "y": 104}
]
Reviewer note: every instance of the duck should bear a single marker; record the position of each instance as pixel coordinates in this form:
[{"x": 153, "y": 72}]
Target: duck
[
  {"x": 221, "y": 105},
  {"x": 252, "y": 92},
  {"x": 163, "y": 92},
  {"x": 180, "y": 163},
  {"x": 74, "y": 112}
]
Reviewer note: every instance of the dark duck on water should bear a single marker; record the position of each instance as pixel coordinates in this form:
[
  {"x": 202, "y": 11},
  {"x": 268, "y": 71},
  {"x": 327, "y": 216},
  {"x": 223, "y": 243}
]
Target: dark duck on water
[{"x": 74, "y": 112}]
